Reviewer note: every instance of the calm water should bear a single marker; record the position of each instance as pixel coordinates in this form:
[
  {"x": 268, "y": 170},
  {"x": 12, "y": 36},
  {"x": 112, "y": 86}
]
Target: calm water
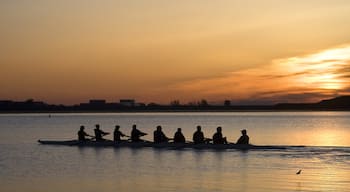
[{"x": 325, "y": 162}]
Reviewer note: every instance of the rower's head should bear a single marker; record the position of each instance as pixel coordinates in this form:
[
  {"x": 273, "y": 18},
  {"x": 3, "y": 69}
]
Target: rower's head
[
  {"x": 199, "y": 128},
  {"x": 244, "y": 132},
  {"x": 117, "y": 127},
  {"x": 133, "y": 126},
  {"x": 159, "y": 128},
  {"x": 97, "y": 126},
  {"x": 178, "y": 129},
  {"x": 82, "y": 127},
  {"x": 219, "y": 129}
]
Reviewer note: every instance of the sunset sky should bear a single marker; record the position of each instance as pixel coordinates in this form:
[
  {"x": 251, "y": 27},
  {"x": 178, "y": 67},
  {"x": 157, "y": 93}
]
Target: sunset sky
[{"x": 158, "y": 50}]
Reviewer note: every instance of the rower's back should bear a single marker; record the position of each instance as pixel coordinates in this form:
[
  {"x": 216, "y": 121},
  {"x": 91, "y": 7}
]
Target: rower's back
[
  {"x": 179, "y": 137},
  {"x": 244, "y": 139},
  {"x": 218, "y": 138},
  {"x": 198, "y": 136},
  {"x": 136, "y": 134},
  {"x": 82, "y": 134},
  {"x": 98, "y": 133},
  {"x": 159, "y": 136}
]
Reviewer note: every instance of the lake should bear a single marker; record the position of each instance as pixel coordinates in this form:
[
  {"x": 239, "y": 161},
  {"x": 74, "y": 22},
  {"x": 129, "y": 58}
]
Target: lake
[{"x": 26, "y": 165}]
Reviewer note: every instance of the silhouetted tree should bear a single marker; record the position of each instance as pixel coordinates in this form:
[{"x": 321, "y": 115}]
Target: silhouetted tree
[
  {"x": 153, "y": 105},
  {"x": 175, "y": 103},
  {"x": 203, "y": 102}
]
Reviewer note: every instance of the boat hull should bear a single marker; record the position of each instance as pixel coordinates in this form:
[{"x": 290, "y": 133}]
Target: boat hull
[{"x": 156, "y": 145}]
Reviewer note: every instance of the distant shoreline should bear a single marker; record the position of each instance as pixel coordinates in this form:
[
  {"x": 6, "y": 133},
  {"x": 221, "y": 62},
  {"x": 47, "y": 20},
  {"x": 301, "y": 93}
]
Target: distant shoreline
[
  {"x": 173, "y": 111},
  {"x": 341, "y": 103}
]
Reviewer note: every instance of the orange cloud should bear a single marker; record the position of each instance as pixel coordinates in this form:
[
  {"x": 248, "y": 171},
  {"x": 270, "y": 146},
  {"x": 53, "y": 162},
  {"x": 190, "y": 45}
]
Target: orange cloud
[{"x": 296, "y": 79}]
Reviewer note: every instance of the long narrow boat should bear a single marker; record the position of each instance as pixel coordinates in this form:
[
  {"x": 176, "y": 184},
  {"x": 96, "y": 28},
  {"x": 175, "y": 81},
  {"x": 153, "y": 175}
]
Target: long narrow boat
[{"x": 158, "y": 145}]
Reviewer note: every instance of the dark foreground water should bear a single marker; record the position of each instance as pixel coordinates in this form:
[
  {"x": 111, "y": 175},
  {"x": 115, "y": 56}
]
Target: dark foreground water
[{"x": 325, "y": 162}]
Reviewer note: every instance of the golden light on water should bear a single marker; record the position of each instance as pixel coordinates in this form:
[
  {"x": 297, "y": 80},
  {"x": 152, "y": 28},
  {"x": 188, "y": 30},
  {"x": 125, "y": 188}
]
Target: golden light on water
[
  {"x": 327, "y": 138},
  {"x": 329, "y": 134}
]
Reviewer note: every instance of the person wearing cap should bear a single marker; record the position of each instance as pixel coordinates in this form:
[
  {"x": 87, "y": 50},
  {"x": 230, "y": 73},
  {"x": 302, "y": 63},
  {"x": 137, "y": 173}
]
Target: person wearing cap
[
  {"x": 218, "y": 138},
  {"x": 82, "y": 134},
  {"x": 179, "y": 137},
  {"x": 244, "y": 139},
  {"x": 99, "y": 133}
]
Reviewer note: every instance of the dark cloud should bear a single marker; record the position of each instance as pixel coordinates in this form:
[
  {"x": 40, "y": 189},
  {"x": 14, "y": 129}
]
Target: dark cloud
[
  {"x": 347, "y": 90},
  {"x": 345, "y": 69},
  {"x": 284, "y": 76}
]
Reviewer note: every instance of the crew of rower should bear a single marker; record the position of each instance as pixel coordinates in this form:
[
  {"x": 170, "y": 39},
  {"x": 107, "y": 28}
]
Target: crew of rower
[{"x": 160, "y": 137}]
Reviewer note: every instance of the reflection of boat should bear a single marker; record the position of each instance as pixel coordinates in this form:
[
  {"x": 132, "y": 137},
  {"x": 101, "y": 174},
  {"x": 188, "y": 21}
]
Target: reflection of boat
[{"x": 158, "y": 145}]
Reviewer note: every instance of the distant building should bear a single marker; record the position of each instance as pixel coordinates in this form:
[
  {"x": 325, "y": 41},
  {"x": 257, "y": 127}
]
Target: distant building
[
  {"x": 127, "y": 102},
  {"x": 97, "y": 102}
]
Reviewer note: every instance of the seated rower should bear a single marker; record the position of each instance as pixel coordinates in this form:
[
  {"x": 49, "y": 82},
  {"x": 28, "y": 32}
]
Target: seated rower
[
  {"x": 117, "y": 134},
  {"x": 136, "y": 134},
  {"x": 179, "y": 137},
  {"x": 218, "y": 138},
  {"x": 198, "y": 136},
  {"x": 159, "y": 136},
  {"x": 82, "y": 134},
  {"x": 244, "y": 139},
  {"x": 99, "y": 133}
]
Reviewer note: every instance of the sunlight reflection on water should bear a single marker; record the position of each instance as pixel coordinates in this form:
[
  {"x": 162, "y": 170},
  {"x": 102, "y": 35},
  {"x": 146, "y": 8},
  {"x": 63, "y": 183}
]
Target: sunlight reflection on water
[{"x": 27, "y": 166}]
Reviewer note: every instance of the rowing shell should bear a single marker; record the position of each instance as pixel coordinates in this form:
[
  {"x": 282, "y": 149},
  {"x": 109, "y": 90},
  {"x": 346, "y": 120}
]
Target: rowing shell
[{"x": 158, "y": 145}]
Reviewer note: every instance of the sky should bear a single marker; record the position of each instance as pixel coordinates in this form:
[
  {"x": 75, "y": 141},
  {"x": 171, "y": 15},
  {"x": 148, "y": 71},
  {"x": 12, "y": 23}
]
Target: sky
[{"x": 250, "y": 51}]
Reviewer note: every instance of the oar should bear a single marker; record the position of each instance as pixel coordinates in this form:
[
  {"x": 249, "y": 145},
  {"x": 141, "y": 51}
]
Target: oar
[
  {"x": 92, "y": 137},
  {"x": 141, "y": 140},
  {"x": 207, "y": 140}
]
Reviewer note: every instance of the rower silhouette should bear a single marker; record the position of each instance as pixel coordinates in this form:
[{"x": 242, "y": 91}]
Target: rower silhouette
[
  {"x": 136, "y": 134},
  {"x": 117, "y": 134},
  {"x": 159, "y": 136},
  {"x": 218, "y": 138},
  {"x": 99, "y": 133},
  {"x": 198, "y": 136},
  {"x": 82, "y": 134},
  {"x": 244, "y": 139},
  {"x": 179, "y": 137}
]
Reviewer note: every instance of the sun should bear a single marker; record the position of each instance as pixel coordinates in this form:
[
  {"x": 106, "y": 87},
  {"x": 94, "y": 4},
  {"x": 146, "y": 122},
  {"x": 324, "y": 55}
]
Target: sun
[
  {"x": 324, "y": 81},
  {"x": 322, "y": 70}
]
